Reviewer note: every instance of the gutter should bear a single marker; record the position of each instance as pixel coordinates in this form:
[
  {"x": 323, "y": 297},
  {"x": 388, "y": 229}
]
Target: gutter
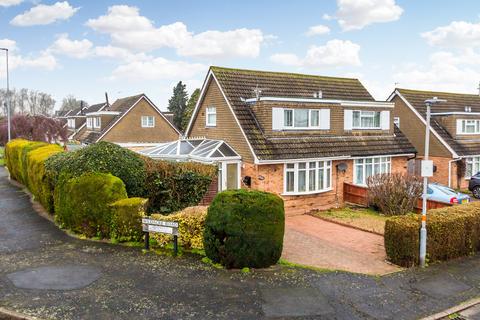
[{"x": 450, "y": 170}]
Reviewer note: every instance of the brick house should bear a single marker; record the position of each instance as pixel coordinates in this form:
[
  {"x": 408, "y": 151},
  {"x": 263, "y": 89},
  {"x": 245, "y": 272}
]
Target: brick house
[
  {"x": 131, "y": 122},
  {"x": 299, "y": 136},
  {"x": 76, "y": 120},
  {"x": 455, "y": 132}
]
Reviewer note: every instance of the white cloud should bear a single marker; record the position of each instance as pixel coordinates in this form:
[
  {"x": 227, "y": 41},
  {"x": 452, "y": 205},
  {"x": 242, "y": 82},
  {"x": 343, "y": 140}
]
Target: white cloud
[
  {"x": 456, "y": 34},
  {"x": 157, "y": 69},
  {"x": 357, "y": 14},
  {"x": 11, "y": 45},
  {"x": 119, "y": 53},
  {"x": 72, "y": 48},
  {"x": 129, "y": 30},
  {"x": 8, "y": 3},
  {"x": 318, "y": 30},
  {"x": 44, "y": 60},
  {"x": 446, "y": 71},
  {"x": 44, "y": 14},
  {"x": 334, "y": 53}
]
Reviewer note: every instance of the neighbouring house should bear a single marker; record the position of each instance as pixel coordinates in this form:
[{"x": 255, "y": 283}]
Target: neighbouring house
[
  {"x": 132, "y": 122},
  {"x": 299, "y": 136},
  {"x": 455, "y": 132},
  {"x": 77, "y": 119}
]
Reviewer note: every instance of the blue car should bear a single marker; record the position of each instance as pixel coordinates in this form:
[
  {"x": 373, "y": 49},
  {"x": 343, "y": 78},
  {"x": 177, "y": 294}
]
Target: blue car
[{"x": 441, "y": 193}]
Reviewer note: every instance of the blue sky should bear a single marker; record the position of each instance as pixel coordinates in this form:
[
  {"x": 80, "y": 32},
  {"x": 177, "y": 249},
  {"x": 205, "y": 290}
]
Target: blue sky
[{"x": 85, "y": 48}]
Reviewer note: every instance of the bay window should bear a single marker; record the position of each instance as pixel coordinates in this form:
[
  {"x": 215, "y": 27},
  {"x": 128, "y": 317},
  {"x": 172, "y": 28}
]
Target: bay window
[
  {"x": 367, "y": 167},
  {"x": 308, "y": 177},
  {"x": 472, "y": 166},
  {"x": 366, "y": 120}
]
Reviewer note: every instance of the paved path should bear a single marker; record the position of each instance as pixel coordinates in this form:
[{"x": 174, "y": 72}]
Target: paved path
[
  {"x": 52, "y": 276},
  {"x": 315, "y": 242}
]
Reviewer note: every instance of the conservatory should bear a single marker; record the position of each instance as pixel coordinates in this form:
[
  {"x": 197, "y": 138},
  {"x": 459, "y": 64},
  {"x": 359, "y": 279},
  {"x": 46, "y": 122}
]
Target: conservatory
[{"x": 206, "y": 151}]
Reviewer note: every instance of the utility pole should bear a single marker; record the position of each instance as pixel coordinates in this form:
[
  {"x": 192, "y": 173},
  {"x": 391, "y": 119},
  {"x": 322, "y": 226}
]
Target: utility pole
[
  {"x": 8, "y": 99},
  {"x": 427, "y": 171}
]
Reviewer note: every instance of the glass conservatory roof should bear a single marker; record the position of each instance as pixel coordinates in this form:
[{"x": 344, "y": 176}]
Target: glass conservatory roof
[{"x": 205, "y": 150}]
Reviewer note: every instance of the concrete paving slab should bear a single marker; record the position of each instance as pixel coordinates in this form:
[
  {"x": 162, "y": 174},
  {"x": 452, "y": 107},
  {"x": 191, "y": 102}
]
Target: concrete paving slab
[
  {"x": 295, "y": 302},
  {"x": 68, "y": 277},
  {"x": 440, "y": 286}
]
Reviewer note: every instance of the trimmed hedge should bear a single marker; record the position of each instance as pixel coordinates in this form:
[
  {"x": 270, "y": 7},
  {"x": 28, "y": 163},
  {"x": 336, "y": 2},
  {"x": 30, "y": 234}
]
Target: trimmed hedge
[
  {"x": 191, "y": 227},
  {"x": 126, "y": 223},
  {"x": 172, "y": 186},
  {"x": 451, "y": 232},
  {"x": 15, "y": 157},
  {"x": 245, "y": 229},
  {"x": 37, "y": 181},
  {"x": 104, "y": 157},
  {"x": 81, "y": 203}
]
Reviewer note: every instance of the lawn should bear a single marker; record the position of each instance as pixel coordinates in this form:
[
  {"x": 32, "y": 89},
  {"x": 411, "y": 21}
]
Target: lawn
[
  {"x": 361, "y": 218},
  {"x": 1, "y": 156}
]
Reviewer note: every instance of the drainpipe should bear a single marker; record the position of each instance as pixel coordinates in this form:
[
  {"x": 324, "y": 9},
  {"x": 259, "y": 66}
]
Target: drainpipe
[{"x": 450, "y": 171}]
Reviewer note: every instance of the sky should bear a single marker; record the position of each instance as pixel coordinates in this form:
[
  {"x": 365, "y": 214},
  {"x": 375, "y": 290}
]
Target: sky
[{"x": 87, "y": 48}]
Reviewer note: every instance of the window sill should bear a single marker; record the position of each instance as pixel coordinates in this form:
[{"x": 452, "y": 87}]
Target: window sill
[
  {"x": 369, "y": 129},
  {"x": 210, "y": 126},
  {"x": 148, "y": 127},
  {"x": 306, "y": 193},
  {"x": 301, "y": 129}
]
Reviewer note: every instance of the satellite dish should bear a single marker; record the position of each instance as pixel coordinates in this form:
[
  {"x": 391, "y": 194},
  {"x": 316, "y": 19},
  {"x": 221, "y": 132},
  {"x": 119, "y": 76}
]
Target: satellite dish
[{"x": 342, "y": 166}]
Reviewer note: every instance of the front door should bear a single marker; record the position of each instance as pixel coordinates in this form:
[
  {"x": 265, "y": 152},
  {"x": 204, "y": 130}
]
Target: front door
[{"x": 228, "y": 175}]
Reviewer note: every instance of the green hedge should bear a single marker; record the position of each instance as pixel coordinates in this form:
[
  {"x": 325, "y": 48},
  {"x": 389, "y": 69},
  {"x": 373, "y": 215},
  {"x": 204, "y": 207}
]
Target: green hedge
[
  {"x": 36, "y": 179},
  {"x": 81, "y": 203},
  {"x": 172, "y": 186},
  {"x": 451, "y": 232},
  {"x": 245, "y": 229},
  {"x": 126, "y": 223},
  {"x": 15, "y": 157},
  {"x": 104, "y": 157}
]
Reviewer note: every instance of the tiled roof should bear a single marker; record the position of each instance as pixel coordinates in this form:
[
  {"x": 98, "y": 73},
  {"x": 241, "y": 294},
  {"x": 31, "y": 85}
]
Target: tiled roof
[
  {"x": 456, "y": 102},
  {"x": 95, "y": 107},
  {"x": 239, "y": 84}
]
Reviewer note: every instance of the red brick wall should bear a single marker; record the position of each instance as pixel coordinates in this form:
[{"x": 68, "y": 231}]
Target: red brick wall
[
  {"x": 441, "y": 175},
  {"x": 211, "y": 193}
]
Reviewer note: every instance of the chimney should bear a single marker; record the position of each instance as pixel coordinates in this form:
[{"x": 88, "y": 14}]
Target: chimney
[
  {"x": 81, "y": 107},
  {"x": 106, "y": 100}
]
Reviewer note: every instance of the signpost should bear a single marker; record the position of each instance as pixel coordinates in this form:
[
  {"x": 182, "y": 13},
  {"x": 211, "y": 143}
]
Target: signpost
[{"x": 160, "y": 226}]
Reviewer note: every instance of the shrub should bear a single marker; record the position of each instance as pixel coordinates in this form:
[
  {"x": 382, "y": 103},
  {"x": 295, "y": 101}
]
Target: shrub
[
  {"x": 394, "y": 194},
  {"x": 191, "y": 227},
  {"x": 126, "y": 224},
  {"x": 104, "y": 157},
  {"x": 15, "y": 155},
  {"x": 172, "y": 186},
  {"x": 451, "y": 232},
  {"x": 24, "y": 154},
  {"x": 37, "y": 181},
  {"x": 245, "y": 229},
  {"x": 81, "y": 203}
]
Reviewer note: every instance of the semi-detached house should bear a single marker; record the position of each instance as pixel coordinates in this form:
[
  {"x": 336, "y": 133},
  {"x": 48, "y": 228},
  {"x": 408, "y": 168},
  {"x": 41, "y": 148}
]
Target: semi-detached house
[
  {"x": 455, "y": 131},
  {"x": 299, "y": 136}
]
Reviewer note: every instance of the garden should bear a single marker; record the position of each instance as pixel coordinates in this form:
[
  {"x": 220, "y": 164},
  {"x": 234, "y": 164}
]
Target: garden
[{"x": 103, "y": 191}]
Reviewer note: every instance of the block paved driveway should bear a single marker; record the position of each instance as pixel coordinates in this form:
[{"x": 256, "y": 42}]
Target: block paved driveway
[
  {"x": 315, "y": 242},
  {"x": 49, "y": 275}
]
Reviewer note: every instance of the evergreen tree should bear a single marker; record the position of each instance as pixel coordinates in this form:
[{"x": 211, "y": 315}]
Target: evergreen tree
[
  {"x": 178, "y": 103},
  {"x": 192, "y": 101}
]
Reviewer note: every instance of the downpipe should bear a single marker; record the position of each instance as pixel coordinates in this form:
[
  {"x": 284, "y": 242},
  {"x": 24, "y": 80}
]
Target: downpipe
[{"x": 450, "y": 170}]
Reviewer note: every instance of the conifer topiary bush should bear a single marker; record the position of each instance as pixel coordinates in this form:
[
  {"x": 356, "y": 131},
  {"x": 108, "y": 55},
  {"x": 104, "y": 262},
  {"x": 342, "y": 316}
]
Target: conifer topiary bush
[
  {"x": 245, "y": 228},
  {"x": 82, "y": 203},
  {"x": 126, "y": 223},
  {"x": 102, "y": 157}
]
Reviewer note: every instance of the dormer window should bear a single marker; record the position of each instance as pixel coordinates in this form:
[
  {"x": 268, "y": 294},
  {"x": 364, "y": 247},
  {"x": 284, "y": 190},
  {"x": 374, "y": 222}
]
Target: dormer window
[
  {"x": 97, "y": 123},
  {"x": 71, "y": 123},
  {"x": 302, "y": 119},
  {"x": 89, "y": 123},
  {"x": 468, "y": 109},
  {"x": 465, "y": 126},
  {"x": 366, "y": 120}
]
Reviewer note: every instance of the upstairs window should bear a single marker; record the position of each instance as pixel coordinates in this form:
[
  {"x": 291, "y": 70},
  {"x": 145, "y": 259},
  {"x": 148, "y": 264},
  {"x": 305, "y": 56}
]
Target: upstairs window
[
  {"x": 89, "y": 123},
  {"x": 302, "y": 119},
  {"x": 366, "y": 120},
  {"x": 465, "y": 126},
  {"x": 97, "y": 122},
  {"x": 148, "y": 121},
  {"x": 211, "y": 117},
  {"x": 71, "y": 123}
]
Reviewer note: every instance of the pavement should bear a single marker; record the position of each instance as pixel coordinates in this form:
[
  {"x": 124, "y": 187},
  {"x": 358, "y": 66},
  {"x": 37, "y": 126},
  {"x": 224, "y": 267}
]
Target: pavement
[
  {"x": 322, "y": 244},
  {"x": 46, "y": 274}
]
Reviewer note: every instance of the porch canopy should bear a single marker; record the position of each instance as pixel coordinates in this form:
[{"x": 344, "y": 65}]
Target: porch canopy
[{"x": 202, "y": 150}]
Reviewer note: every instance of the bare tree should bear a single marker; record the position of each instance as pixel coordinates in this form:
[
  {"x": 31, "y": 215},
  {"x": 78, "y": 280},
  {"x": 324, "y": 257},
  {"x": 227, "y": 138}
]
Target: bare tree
[{"x": 71, "y": 103}]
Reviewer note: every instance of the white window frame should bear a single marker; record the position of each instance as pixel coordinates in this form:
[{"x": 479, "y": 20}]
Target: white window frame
[
  {"x": 320, "y": 165},
  {"x": 365, "y": 114},
  {"x": 146, "y": 123},
  {"x": 89, "y": 123},
  {"x": 211, "y": 111},
  {"x": 97, "y": 122},
  {"x": 309, "y": 121},
  {"x": 396, "y": 121},
  {"x": 71, "y": 123},
  {"x": 222, "y": 168},
  {"x": 474, "y": 164},
  {"x": 469, "y": 122},
  {"x": 382, "y": 160}
]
